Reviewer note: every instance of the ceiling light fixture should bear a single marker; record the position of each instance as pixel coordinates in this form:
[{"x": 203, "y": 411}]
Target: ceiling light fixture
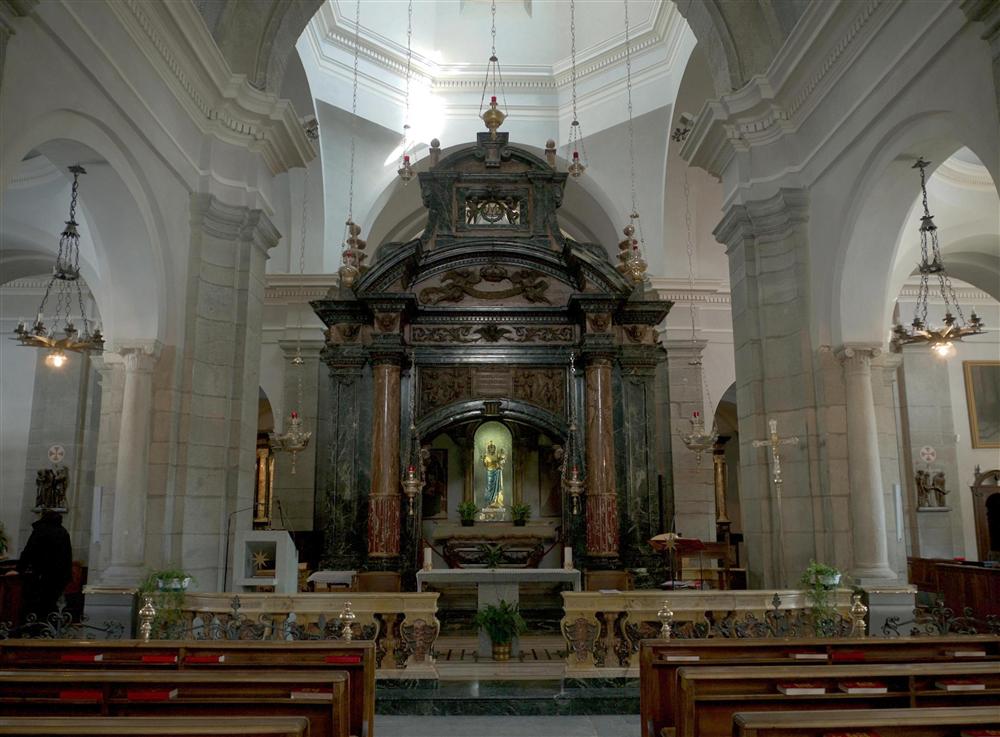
[
  {"x": 493, "y": 116},
  {"x": 64, "y": 284},
  {"x": 576, "y": 151},
  {"x": 630, "y": 249},
  {"x": 940, "y": 340},
  {"x": 405, "y": 171},
  {"x": 353, "y": 256}
]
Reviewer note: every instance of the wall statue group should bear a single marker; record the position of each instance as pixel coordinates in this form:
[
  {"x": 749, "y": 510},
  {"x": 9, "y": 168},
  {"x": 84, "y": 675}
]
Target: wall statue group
[{"x": 931, "y": 491}]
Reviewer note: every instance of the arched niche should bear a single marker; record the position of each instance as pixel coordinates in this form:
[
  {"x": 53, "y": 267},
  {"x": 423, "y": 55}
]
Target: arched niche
[{"x": 986, "y": 510}]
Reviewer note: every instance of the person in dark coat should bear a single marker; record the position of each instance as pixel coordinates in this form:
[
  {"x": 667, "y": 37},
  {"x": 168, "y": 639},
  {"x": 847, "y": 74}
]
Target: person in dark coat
[{"x": 46, "y": 565}]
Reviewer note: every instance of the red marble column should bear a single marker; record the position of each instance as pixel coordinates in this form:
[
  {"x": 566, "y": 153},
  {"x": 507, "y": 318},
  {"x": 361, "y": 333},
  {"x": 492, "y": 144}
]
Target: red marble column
[
  {"x": 384, "y": 502},
  {"x": 602, "y": 497}
]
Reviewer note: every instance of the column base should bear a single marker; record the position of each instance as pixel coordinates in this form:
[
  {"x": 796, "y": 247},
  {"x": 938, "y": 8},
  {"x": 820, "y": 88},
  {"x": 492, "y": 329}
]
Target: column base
[
  {"x": 121, "y": 575},
  {"x": 875, "y": 575}
]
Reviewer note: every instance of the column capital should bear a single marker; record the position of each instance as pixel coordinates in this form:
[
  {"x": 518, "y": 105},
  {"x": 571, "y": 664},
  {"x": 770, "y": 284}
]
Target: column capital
[
  {"x": 310, "y": 349},
  {"x": 679, "y": 349},
  {"x": 233, "y": 222},
  {"x": 138, "y": 355},
  {"x": 770, "y": 218},
  {"x": 858, "y": 356}
]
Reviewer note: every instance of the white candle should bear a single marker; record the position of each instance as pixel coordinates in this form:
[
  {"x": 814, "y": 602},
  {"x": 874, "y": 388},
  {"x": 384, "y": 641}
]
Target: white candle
[
  {"x": 568, "y": 558},
  {"x": 428, "y": 564}
]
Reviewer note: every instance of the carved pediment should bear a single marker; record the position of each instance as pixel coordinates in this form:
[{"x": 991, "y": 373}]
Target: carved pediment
[{"x": 489, "y": 283}]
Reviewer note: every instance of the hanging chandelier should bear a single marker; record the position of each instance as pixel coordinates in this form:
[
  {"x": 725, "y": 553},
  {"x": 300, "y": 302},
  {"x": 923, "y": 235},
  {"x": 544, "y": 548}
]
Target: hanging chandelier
[
  {"x": 630, "y": 249},
  {"x": 64, "y": 285},
  {"x": 295, "y": 439},
  {"x": 405, "y": 170},
  {"x": 493, "y": 116},
  {"x": 955, "y": 326},
  {"x": 572, "y": 482},
  {"x": 353, "y": 256},
  {"x": 698, "y": 440},
  {"x": 576, "y": 152}
]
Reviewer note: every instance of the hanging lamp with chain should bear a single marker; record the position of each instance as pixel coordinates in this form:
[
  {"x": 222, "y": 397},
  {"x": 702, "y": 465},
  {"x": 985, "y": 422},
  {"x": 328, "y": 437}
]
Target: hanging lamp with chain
[
  {"x": 941, "y": 340},
  {"x": 353, "y": 255},
  {"x": 572, "y": 481},
  {"x": 493, "y": 116},
  {"x": 413, "y": 479},
  {"x": 630, "y": 250},
  {"x": 64, "y": 285},
  {"x": 296, "y": 438},
  {"x": 576, "y": 150},
  {"x": 698, "y": 439},
  {"x": 406, "y": 171}
]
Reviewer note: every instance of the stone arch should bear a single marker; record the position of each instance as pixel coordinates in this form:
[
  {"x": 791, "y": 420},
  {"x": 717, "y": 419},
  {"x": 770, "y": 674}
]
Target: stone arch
[
  {"x": 121, "y": 206},
  {"x": 510, "y": 410},
  {"x": 875, "y": 215}
]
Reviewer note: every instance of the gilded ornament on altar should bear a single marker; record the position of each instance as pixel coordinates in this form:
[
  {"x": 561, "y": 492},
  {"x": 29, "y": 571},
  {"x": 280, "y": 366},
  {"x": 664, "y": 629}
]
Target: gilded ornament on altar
[{"x": 260, "y": 560}]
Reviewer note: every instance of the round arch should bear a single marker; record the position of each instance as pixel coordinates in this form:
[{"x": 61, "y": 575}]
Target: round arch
[
  {"x": 137, "y": 269},
  {"x": 875, "y": 217},
  {"x": 508, "y": 410}
]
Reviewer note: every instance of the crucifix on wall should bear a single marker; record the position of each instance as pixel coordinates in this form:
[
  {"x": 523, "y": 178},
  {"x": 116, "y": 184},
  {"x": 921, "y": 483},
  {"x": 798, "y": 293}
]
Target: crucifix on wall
[{"x": 774, "y": 443}]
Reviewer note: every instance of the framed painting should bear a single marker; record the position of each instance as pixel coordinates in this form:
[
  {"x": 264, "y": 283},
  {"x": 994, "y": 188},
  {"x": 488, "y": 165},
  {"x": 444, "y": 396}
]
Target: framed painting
[
  {"x": 435, "y": 495},
  {"x": 982, "y": 393}
]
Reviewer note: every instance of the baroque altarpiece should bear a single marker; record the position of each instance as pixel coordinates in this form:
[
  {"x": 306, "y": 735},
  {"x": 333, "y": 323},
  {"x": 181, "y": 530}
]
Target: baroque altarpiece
[{"x": 492, "y": 327}]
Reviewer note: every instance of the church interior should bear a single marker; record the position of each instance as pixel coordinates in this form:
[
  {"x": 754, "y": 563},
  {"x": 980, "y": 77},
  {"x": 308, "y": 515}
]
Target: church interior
[{"x": 612, "y": 368}]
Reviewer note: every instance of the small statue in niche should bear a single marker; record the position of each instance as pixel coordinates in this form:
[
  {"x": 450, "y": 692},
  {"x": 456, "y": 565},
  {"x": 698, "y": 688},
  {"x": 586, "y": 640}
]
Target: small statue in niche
[
  {"x": 51, "y": 485},
  {"x": 937, "y": 485},
  {"x": 494, "y": 460},
  {"x": 923, "y": 489}
]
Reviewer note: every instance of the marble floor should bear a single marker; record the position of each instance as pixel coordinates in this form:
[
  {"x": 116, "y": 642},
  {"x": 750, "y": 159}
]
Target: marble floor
[{"x": 506, "y": 726}]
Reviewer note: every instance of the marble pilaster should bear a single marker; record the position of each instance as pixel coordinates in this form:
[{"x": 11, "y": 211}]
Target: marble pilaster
[
  {"x": 128, "y": 531},
  {"x": 871, "y": 558},
  {"x": 384, "y": 501},
  {"x": 602, "y": 498}
]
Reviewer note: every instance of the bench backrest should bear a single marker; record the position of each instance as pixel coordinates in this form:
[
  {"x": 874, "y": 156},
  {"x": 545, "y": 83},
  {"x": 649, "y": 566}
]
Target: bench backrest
[
  {"x": 659, "y": 660},
  {"x": 154, "y": 726},
  {"x": 938, "y": 722}
]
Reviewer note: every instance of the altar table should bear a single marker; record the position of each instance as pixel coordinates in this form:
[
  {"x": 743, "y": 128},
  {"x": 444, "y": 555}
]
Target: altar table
[{"x": 496, "y": 584}]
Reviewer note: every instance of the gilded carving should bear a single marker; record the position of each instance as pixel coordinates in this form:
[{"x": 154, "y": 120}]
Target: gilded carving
[
  {"x": 418, "y": 637},
  {"x": 387, "y": 322},
  {"x": 598, "y": 322},
  {"x": 458, "y": 284},
  {"x": 581, "y": 634}
]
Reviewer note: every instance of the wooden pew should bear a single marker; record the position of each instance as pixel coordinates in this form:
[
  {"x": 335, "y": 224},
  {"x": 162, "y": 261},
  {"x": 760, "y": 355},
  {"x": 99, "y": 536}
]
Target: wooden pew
[
  {"x": 356, "y": 658},
  {"x": 709, "y": 697},
  {"x": 154, "y": 726},
  {"x": 946, "y": 722},
  {"x": 246, "y": 694},
  {"x": 659, "y": 660}
]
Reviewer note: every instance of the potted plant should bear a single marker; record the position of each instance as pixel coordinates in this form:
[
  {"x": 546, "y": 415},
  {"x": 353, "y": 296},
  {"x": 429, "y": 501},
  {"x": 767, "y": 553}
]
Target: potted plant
[
  {"x": 502, "y": 622},
  {"x": 520, "y": 513},
  {"x": 819, "y": 580},
  {"x": 467, "y": 512},
  {"x": 167, "y": 587}
]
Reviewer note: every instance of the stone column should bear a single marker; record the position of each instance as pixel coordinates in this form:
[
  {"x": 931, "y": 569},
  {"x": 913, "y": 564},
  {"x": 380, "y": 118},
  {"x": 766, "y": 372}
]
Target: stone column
[
  {"x": 602, "y": 497},
  {"x": 384, "y": 502},
  {"x": 768, "y": 250},
  {"x": 693, "y": 489},
  {"x": 720, "y": 481},
  {"x": 128, "y": 533},
  {"x": 871, "y": 560}
]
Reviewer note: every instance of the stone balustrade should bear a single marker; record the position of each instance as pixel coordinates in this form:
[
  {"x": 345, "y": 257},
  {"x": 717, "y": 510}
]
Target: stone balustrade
[
  {"x": 603, "y": 630},
  {"x": 404, "y": 626}
]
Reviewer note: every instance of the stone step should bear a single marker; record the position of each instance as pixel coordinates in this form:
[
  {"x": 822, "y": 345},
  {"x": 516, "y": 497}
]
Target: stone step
[{"x": 542, "y": 697}]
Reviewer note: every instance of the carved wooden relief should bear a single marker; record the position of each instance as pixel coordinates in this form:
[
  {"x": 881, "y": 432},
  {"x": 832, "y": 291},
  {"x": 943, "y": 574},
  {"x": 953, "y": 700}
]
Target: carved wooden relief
[
  {"x": 465, "y": 334},
  {"x": 461, "y": 283},
  {"x": 543, "y": 387}
]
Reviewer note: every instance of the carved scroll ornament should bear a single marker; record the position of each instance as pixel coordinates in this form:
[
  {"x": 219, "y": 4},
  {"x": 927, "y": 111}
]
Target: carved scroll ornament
[{"x": 458, "y": 284}]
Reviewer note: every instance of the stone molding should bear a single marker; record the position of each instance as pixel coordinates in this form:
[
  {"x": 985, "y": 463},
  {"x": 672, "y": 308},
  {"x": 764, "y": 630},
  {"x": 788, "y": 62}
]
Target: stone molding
[
  {"x": 137, "y": 361},
  {"x": 705, "y": 291},
  {"x": 310, "y": 349},
  {"x": 771, "y": 219},
  {"x": 858, "y": 358},
  {"x": 232, "y": 222},
  {"x": 175, "y": 40},
  {"x": 988, "y": 13},
  {"x": 684, "y": 349},
  {"x": 298, "y": 288},
  {"x": 775, "y": 104},
  {"x": 325, "y": 28}
]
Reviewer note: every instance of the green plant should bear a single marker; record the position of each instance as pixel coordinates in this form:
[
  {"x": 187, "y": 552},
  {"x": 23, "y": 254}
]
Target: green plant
[
  {"x": 819, "y": 581},
  {"x": 467, "y": 511},
  {"x": 502, "y": 622},
  {"x": 167, "y": 586},
  {"x": 520, "y": 512},
  {"x": 493, "y": 554}
]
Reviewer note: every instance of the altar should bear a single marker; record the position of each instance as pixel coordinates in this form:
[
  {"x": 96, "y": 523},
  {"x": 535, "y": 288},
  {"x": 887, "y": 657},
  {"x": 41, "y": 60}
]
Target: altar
[{"x": 498, "y": 584}]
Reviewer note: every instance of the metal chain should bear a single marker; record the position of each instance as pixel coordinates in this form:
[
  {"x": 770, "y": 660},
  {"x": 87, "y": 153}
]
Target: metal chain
[
  {"x": 572, "y": 49},
  {"x": 409, "y": 61},
  {"x": 354, "y": 116},
  {"x": 690, "y": 251},
  {"x": 493, "y": 28},
  {"x": 631, "y": 130}
]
